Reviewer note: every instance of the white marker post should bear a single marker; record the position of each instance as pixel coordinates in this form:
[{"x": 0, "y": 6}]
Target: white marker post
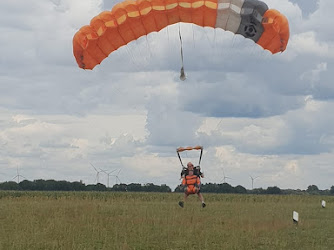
[
  {"x": 323, "y": 204},
  {"x": 295, "y": 217}
]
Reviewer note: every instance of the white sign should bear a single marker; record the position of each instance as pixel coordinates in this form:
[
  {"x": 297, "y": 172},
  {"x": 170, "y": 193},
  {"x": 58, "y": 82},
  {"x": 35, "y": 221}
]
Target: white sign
[
  {"x": 295, "y": 216},
  {"x": 323, "y": 204}
]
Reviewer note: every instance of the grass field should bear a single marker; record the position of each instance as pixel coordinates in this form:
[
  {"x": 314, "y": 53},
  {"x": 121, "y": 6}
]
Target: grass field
[{"x": 106, "y": 220}]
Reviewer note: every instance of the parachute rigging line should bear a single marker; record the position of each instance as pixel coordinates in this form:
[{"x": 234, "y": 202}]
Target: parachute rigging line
[
  {"x": 182, "y": 74},
  {"x": 178, "y": 154},
  {"x": 200, "y": 157}
]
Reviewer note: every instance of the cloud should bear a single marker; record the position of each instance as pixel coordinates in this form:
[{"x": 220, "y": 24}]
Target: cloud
[
  {"x": 307, "y": 43},
  {"x": 167, "y": 124},
  {"x": 156, "y": 168},
  {"x": 300, "y": 131},
  {"x": 313, "y": 75},
  {"x": 236, "y": 95},
  {"x": 318, "y": 20},
  {"x": 307, "y": 7}
]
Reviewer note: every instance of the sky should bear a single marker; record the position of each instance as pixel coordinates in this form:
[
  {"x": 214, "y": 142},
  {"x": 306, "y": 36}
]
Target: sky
[{"x": 256, "y": 114}]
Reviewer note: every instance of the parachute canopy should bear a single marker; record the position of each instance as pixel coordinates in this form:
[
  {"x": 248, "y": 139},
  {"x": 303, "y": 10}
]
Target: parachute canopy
[
  {"x": 181, "y": 149},
  {"x": 129, "y": 20}
]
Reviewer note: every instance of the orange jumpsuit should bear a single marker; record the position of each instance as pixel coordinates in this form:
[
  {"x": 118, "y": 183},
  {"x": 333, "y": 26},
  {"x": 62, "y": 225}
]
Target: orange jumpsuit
[{"x": 193, "y": 184}]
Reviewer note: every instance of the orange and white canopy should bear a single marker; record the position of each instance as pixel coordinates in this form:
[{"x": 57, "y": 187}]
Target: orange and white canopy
[{"x": 129, "y": 20}]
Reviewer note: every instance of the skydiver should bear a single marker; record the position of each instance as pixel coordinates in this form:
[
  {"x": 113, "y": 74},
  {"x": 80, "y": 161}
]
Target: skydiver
[{"x": 191, "y": 183}]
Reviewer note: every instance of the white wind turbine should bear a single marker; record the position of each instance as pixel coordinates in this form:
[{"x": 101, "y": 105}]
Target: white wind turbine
[
  {"x": 253, "y": 178},
  {"x": 97, "y": 174},
  {"x": 108, "y": 174},
  {"x": 116, "y": 176},
  {"x": 225, "y": 177},
  {"x": 18, "y": 176}
]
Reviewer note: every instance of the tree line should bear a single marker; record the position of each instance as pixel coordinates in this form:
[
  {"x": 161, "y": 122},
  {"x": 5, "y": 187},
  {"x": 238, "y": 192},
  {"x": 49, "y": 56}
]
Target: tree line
[
  {"x": 227, "y": 188},
  {"x": 53, "y": 185}
]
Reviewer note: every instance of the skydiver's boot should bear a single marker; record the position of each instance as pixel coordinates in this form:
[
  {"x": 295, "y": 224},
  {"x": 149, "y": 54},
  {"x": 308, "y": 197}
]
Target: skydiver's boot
[
  {"x": 181, "y": 203},
  {"x": 203, "y": 205}
]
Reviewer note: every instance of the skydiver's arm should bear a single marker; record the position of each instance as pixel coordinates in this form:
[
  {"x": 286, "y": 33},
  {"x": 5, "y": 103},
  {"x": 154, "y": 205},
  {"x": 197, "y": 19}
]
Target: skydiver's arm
[{"x": 198, "y": 182}]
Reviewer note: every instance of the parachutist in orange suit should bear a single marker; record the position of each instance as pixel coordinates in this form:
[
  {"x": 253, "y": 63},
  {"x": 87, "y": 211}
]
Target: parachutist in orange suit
[{"x": 192, "y": 183}]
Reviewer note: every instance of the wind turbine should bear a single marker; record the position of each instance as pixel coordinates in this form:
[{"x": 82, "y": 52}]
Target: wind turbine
[
  {"x": 253, "y": 178},
  {"x": 116, "y": 177},
  {"x": 18, "y": 176},
  {"x": 97, "y": 174},
  {"x": 108, "y": 174},
  {"x": 225, "y": 177}
]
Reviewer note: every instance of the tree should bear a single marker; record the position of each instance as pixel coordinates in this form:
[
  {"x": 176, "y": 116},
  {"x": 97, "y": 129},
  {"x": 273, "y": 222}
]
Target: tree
[
  {"x": 225, "y": 188},
  {"x": 331, "y": 191},
  {"x": 97, "y": 187},
  {"x": 26, "y": 185},
  {"x": 40, "y": 184},
  {"x": 179, "y": 189},
  {"x": 165, "y": 189},
  {"x": 257, "y": 191},
  {"x": 134, "y": 187},
  {"x": 210, "y": 188},
  {"x": 312, "y": 189},
  {"x": 120, "y": 188},
  {"x": 9, "y": 185},
  {"x": 240, "y": 190},
  {"x": 78, "y": 186},
  {"x": 273, "y": 190},
  {"x": 149, "y": 187}
]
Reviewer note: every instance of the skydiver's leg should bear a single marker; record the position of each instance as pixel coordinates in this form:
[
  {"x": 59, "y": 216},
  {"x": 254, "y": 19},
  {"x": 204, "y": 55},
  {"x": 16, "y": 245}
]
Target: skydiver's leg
[
  {"x": 185, "y": 196},
  {"x": 200, "y": 196},
  {"x": 181, "y": 203}
]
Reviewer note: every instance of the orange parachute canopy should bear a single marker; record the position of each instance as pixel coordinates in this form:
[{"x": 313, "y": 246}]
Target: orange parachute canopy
[
  {"x": 129, "y": 20},
  {"x": 181, "y": 149}
]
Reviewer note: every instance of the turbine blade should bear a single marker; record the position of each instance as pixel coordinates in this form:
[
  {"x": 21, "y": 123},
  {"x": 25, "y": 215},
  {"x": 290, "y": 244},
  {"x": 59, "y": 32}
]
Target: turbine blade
[{"x": 93, "y": 167}]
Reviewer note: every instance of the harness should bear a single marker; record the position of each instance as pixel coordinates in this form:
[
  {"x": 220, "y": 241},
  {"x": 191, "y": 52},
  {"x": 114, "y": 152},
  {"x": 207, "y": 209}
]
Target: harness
[
  {"x": 191, "y": 179},
  {"x": 192, "y": 182},
  {"x": 197, "y": 171}
]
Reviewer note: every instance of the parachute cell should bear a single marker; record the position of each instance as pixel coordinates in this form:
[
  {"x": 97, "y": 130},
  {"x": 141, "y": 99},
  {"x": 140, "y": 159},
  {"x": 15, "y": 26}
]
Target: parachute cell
[{"x": 129, "y": 20}]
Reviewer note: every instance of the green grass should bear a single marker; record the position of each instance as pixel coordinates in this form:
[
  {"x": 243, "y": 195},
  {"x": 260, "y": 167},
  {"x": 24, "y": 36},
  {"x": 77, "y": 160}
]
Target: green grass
[{"x": 91, "y": 220}]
